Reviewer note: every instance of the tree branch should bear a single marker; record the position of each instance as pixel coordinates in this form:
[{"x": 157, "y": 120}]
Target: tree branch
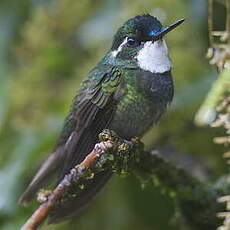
[
  {"x": 75, "y": 174},
  {"x": 196, "y": 201}
]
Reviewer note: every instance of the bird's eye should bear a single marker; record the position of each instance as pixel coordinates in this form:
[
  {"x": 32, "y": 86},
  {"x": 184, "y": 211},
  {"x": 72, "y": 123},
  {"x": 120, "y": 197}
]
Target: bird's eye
[{"x": 132, "y": 41}]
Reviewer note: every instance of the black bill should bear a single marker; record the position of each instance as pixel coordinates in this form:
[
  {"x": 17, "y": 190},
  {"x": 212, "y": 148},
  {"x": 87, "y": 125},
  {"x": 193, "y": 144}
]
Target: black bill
[{"x": 167, "y": 29}]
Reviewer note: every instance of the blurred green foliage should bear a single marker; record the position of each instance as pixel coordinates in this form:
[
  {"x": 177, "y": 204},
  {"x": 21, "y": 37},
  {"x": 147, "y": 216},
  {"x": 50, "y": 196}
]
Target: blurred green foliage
[{"x": 46, "y": 48}]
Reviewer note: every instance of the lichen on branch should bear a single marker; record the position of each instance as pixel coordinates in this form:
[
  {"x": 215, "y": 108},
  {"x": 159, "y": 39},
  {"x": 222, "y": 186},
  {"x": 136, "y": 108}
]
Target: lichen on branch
[{"x": 196, "y": 201}]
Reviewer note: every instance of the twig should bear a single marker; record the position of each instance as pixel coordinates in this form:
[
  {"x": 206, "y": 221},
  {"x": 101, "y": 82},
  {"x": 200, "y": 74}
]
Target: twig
[
  {"x": 196, "y": 201},
  {"x": 75, "y": 174}
]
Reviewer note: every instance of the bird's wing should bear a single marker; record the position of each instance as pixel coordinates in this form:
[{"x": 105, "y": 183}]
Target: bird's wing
[
  {"x": 91, "y": 113},
  {"x": 94, "y": 113}
]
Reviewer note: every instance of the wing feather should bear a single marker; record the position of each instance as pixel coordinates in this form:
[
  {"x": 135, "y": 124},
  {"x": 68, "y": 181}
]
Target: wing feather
[{"x": 91, "y": 112}]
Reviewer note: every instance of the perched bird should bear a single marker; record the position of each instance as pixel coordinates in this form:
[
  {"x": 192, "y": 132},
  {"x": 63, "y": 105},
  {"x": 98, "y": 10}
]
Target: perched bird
[{"x": 127, "y": 92}]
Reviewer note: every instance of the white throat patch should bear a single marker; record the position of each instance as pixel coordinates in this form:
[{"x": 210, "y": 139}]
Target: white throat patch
[
  {"x": 153, "y": 57},
  {"x": 116, "y": 52}
]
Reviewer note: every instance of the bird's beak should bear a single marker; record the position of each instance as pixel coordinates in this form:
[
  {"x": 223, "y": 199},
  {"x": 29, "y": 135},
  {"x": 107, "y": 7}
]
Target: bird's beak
[{"x": 164, "y": 31}]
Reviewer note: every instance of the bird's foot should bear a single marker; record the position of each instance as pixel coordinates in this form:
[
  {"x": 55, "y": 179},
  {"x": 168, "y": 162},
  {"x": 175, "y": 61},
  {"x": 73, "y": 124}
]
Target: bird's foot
[
  {"x": 133, "y": 142},
  {"x": 108, "y": 135}
]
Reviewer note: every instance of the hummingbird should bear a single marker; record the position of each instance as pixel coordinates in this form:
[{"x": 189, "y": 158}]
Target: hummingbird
[{"x": 128, "y": 91}]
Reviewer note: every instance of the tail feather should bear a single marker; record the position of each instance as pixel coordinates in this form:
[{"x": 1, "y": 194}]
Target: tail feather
[{"x": 43, "y": 176}]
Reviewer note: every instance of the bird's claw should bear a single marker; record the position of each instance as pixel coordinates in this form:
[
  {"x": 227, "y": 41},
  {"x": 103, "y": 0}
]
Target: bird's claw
[{"x": 107, "y": 135}]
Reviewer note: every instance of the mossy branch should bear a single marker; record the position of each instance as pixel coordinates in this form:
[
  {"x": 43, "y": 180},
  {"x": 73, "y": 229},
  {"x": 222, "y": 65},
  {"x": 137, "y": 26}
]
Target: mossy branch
[{"x": 197, "y": 201}]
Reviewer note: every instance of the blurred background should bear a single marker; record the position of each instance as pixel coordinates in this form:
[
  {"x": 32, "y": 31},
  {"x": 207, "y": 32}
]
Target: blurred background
[{"x": 46, "y": 48}]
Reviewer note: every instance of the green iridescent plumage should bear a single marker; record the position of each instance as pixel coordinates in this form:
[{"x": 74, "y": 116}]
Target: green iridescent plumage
[{"x": 117, "y": 94}]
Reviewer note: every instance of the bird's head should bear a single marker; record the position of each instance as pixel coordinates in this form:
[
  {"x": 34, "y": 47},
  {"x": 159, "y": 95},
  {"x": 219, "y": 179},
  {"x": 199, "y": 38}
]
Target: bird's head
[{"x": 140, "y": 39}]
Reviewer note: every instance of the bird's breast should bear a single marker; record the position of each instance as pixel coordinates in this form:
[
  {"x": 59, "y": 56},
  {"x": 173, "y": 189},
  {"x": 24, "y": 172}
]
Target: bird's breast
[
  {"x": 134, "y": 115},
  {"x": 143, "y": 100}
]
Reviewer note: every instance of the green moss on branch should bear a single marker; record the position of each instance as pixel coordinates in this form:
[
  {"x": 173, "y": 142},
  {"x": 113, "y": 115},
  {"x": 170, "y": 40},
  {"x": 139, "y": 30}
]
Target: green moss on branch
[{"x": 196, "y": 201}]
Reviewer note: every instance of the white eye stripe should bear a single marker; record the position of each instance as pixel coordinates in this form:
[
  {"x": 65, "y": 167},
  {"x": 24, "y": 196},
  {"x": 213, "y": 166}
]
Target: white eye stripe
[{"x": 119, "y": 49}]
